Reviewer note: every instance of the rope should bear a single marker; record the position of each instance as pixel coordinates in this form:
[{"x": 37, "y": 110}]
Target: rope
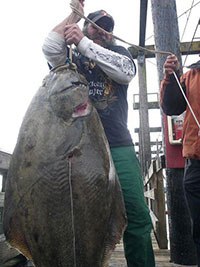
[
  {"x": 188, "y": 9},
  {"x": 198, "y": 23},
  {"x": 72, "y": 211},
  {"x": 187, "y": 21},
  {"x": 114, "y": 36},
  {"x": 188, "y": 103},
  {"x": 178, "y": 17}
]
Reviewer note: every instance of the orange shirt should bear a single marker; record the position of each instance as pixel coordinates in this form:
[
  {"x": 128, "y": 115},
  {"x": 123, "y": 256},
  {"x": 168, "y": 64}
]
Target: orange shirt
[{"x": 191, "y": 132}]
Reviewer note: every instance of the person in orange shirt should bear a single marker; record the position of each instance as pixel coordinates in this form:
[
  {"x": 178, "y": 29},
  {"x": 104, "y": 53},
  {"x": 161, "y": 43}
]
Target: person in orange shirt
[{"x": 173, "y": 102}]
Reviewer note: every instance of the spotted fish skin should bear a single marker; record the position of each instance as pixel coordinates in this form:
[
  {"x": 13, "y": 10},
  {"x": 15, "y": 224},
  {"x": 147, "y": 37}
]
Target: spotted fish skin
[{"x": 63, "y": 202}]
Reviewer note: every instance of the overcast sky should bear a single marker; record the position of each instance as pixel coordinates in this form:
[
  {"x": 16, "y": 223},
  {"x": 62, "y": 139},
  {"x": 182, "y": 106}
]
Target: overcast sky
[{"x": 24, "y": 25}]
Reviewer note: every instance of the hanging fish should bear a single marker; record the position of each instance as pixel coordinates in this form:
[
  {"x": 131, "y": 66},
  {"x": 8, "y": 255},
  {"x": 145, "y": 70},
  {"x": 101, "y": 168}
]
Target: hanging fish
[{"x": 63, "y": 201}]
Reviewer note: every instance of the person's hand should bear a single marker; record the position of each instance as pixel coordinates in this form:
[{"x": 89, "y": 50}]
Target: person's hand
[
  {"x": 72, "y": 34},
  {"x": 171, "y": 64},
  {"x": 82, "y": 2},
  {"x": 77, "y": 5}
]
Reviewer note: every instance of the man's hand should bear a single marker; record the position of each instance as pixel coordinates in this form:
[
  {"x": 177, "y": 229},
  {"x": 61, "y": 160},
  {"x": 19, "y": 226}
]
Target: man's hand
[
  {"x": 171, "y": 64},
  {"x": 77, "y": 5},
  {"x": 72, "y": 34},
  {"x": 72, "y": 18},
  {"x": 82, "y": 2}
]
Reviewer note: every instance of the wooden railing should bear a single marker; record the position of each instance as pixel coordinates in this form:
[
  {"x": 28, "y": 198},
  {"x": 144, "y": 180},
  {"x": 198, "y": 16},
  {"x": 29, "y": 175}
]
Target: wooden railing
[
  {"x": 1, "y": 211},
  {"x": 155, "y": 196},
  {"x": 4, "y": 164}
]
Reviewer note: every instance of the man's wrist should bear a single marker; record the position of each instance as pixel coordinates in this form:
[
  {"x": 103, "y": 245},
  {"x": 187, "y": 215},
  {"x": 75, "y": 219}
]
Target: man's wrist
[{"x": 83, "y": 45}]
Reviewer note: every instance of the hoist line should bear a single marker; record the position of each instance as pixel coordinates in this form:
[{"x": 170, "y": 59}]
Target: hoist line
[
  {"x": 198, "y": 23},
  {"x": 116, "y": 37},
  {"x": 188, "y": 103},
  {"x": 72, "y": 211},
  {"x": 187, "y": 20}
]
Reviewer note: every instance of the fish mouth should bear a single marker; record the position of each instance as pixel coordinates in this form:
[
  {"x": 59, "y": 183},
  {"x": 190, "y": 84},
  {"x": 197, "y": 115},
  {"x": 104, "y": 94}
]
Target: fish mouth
[{"x": 82, "y": 110}]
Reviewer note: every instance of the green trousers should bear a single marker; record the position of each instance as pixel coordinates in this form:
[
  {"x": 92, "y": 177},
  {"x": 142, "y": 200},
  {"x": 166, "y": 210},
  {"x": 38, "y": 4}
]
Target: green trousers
[{"x": 137, "y": 236}]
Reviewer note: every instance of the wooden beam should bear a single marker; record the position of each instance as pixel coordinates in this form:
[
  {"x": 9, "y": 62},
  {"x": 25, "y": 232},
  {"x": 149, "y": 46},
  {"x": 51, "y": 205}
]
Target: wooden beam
[
  {"x": 143, "y": 19},
  {"x": 2, "y": 199},
  {"x": 151, "y": 129},
  {"x": 4, "y": 161},
  {"x": 150, "y": 194},
  {"x": 151, "y": 105},
  {"x": 152, "y": 143},
  {"x": 187, "y": 48}
]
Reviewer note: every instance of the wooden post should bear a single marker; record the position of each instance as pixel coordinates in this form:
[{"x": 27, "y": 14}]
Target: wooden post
[
  {"x": 156, "y": 201},
  {"x": 160, "y": 201},
  {"x": 144, "y": 133},
  {"x": 167, "y": 39}
]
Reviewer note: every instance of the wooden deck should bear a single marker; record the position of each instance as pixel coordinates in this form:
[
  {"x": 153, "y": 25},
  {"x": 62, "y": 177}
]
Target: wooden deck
[
  {"x": 117, "y": 260},
  {"x": 162, "y": 257}
]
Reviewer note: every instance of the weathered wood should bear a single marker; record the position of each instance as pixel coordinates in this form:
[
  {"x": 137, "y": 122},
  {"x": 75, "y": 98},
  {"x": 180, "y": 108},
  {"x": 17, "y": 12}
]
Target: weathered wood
[
  {"x": 162, "y": 257},
  {"x": 150, "y": 193},
  {"x": 161, "y": 230},
  {"x": 144, "y": 134},
  {"x": 1, "y": 212},
  {"x": 156, "y": 201},
  {"x": 1, "y": 199},
  {"x": 151, "y": 105},
  {"x": 151, "y": 129},
  {"x": 4, "y": 161},
  {"x": 153, "y": 143},
  {"x": 154, "y": 220},
  {"x": 4, "y": 165},
  {"x": 149, "y": 174},
  {"x": 194, "y": 49}
]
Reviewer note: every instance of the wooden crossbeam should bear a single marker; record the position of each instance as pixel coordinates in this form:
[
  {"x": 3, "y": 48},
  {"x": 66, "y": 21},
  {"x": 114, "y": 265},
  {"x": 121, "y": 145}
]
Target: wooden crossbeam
[{"x": 187, "y": 48}]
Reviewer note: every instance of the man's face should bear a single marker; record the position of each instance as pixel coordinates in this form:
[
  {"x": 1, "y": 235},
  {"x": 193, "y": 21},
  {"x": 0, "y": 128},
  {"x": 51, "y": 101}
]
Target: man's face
[{"x": 98, "y": 36}]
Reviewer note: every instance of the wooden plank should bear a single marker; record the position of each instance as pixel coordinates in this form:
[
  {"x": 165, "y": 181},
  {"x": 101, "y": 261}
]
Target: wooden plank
[
  {"x": 154, "y": 220},
  {"x": 150, "y": 194},
  {"x": 151, "y": 129},
  {"x": 162, "y": 257},
  {"x": 153, "y": 143},
  {"x": 151, "y": 105},
  {"x": 149, "y": 174},
  {"x": 2, "y": 199},
  {"x": 161, "y": 231},
  {"x": 4, "y": 160},
  {"x": 184, "y": 47}
]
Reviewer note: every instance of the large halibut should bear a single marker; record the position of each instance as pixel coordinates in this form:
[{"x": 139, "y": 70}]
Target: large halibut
[{"x": 63, "y": 202}]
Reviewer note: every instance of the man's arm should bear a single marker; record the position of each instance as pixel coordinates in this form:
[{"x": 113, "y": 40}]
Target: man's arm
[
  {"x": 118, "y": 66},
  {"x": 55, "y": 48},
  {"x": 72, "y": 18},
  {"x": 171, "y": 98}
]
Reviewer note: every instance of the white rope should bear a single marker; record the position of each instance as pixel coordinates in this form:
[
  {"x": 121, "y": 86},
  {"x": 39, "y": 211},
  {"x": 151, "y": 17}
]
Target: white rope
[
  {"x": 114, "y": 36},
  {"x": 188, "y": 103},
  {"x": 72, "y": 211}
]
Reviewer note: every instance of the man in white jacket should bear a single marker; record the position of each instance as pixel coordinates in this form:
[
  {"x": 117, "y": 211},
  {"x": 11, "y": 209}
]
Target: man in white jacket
[{"x": 109, "y": 68}]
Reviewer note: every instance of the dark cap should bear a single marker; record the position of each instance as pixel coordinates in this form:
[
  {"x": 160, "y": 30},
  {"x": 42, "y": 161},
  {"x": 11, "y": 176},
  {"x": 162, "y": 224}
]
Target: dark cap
[{"x": 102, "y": 19}]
